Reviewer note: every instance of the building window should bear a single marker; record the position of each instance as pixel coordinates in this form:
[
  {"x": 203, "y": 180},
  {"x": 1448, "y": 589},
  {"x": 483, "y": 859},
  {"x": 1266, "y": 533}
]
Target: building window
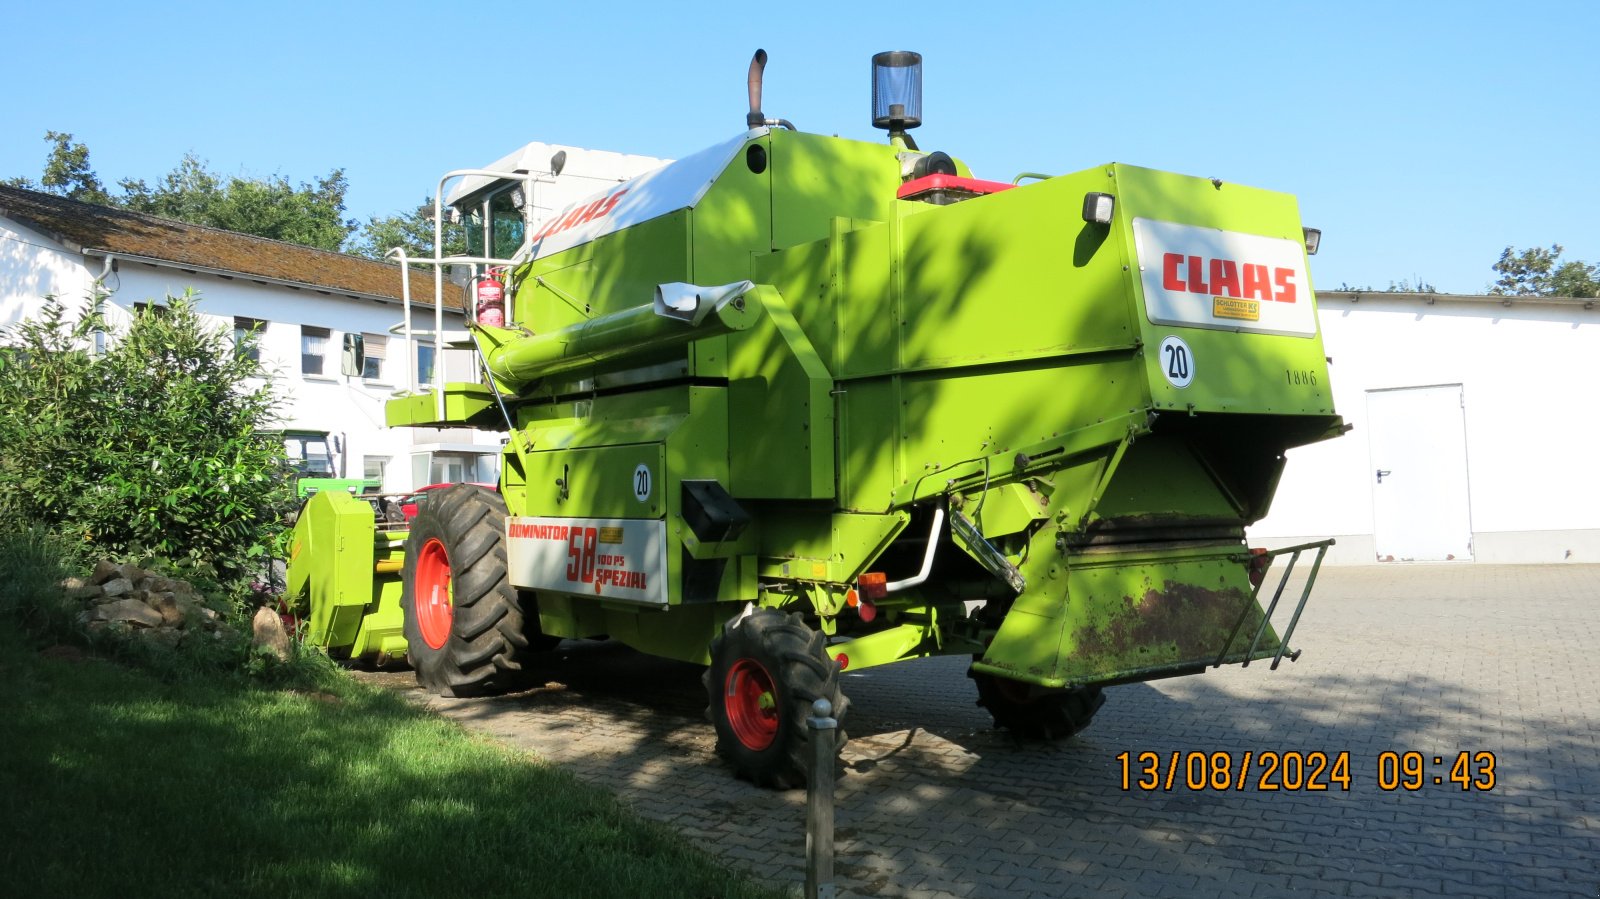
[
  {"x": 506, "y": 224},
  {"x": 309, "y": 454},
  {"x": 313, "y": 349},
  {"x": 152, "y": 308},
  {"x": 424, "y": 364},
  {"x": 450, "y": 468},
  {"x": 373, "y": 468},
  {"x": 456, "y": 468},
  {"x": 247, "y": 337},
  {"x": 374, "y": 347}
]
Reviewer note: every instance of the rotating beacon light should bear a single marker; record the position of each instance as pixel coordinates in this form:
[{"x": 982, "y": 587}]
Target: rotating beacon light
[{"x": 897, "y": 93}]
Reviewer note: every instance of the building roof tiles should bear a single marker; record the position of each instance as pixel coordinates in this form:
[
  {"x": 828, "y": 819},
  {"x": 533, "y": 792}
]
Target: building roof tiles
[{"x": 101, "y": 230}]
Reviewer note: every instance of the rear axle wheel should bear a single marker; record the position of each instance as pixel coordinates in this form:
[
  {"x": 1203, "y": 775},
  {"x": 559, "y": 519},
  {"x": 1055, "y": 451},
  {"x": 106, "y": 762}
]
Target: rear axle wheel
[
  {"x": 766, "y": 671},
  {"x": 1034, "y": 713}
]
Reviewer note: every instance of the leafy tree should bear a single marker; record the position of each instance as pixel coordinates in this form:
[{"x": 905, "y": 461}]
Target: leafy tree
[
  {"x": 1404, "y": 285},
  {"x": 151, "y": 448},
  {"x": 1575, "y": 279},
  {"x": 307, "y": 214},
  {"x": 1538, "y": 272},
  {"x": 188, "y": 193},
  {"x": 310, "y": 214},
  {"x": 412, "y": 231},
  {"x": 67, "y": 172}
]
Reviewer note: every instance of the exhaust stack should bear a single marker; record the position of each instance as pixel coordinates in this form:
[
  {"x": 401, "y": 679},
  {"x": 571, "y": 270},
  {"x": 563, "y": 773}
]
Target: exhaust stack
[
  {"x": 756, "y": 118},
  {"x": 758, "y": 65}
]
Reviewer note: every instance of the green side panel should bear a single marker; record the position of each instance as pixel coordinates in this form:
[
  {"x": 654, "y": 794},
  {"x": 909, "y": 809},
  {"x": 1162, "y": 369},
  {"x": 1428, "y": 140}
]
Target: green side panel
[
  {"x": 870, "y": 456},
  {"x": 580, "y": 459},
  {"x": 1161, "y": 477},
  {"x": 683, "y": 633},
  {"x": 699, "y": 450},
  {"x": 304, "y": 487},
  {"x": 868, "y": 322},
  {"x": 1234, "y": 372},
  {"x": 948, "y": 417},
  {"x": 638, "y": 417},
  {"x": 1116, "y": 618},
  {"x": 794, "y": 273},
  {"x": 464, "y": 404},
  {"x": 780, "y": 381},
  {"x": 562, "y": 615},
  {"x": 345, "y": 574},
  {"x": 1009, "y": 509},
  {"x": 594, "y": 482},
  {"x": 1013, "y": 275},
  {"x": 733, "y": 219},
  {"x": 383, "y": 628},
  {"x": 609, "y": 274},
  {"x": 731, "y": 223},
  {"x": 815, "y": 545},
  {"x": 816, "y": 178}
]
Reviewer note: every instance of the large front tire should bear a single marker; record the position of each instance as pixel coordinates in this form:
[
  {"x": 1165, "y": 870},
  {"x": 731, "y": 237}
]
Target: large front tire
[
  {"x": 1034, "y": 713},
  {"x": 766, "y": 671},
  {"x": 464, "y": 626}
]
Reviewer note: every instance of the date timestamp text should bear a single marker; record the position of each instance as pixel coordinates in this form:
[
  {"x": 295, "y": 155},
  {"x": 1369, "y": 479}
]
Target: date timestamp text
[{"x": 1296, "y": 771}]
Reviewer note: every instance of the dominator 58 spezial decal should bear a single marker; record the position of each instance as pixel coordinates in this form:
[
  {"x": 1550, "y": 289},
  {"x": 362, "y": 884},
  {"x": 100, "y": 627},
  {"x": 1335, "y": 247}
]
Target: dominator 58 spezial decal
[{"x": 605, "y": 558}]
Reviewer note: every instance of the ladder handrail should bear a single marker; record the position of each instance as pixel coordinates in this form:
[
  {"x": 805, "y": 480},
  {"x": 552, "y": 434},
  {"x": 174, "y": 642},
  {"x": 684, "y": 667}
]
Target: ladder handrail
[{"x": 438, "y": 262}]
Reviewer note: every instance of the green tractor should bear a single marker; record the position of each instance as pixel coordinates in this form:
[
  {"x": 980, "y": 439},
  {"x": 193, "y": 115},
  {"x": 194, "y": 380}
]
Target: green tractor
[
  {"x": 311, "y": 457},
  {"x": 798, "y": 405}
]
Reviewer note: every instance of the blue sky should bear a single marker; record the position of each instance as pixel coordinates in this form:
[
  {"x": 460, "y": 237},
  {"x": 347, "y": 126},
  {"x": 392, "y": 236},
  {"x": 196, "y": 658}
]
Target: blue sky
[{"x": 1422, "y": 138}]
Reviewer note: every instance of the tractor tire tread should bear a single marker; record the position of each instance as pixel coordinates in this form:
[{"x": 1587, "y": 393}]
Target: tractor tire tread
[
  {"x": 1051, "y": 715},
  {"x": 795, "y": 656},
  {"x": 488, "y": 637}
]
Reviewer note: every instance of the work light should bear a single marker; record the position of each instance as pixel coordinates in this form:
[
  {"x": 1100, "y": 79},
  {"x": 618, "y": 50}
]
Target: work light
[
  {"x": 896, "y": 90},
  {"x": 1097, "y": 208},
  {"x": 1313, "y": 238}
]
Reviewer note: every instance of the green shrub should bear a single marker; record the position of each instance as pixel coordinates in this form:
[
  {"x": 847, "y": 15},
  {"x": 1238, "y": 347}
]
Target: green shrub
[
  {"x": 32, "y": 563},
  {"x": 151, "y": 449}
]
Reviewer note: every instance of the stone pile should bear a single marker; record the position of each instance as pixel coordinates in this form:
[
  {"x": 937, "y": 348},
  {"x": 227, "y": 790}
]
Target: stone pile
[{"x": 127, "y": 599}]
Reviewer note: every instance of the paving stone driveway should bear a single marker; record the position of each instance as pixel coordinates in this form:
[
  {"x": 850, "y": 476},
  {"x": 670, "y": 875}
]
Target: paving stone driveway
[{"x": 1433, "y": 659}]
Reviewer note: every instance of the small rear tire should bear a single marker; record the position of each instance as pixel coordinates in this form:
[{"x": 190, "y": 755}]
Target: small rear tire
[
  {"x": 1034, "y": 713},
  {"x": 466, "y": 634},
  {"x": 766, "y": 671}
]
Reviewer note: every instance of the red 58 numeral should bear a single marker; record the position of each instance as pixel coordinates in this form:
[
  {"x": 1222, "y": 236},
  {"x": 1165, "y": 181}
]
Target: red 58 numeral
[{"x": 580, "y": 554}]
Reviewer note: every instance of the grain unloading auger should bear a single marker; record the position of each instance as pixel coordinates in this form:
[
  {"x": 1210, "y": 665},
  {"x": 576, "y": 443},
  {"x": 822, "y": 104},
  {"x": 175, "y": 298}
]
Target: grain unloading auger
[{"x": 908, "y": 413}]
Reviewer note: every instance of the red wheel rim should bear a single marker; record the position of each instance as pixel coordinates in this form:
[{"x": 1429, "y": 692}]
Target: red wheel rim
[
  {"x": 435, "y": 613},
  {"x": 751, "y": 701}
]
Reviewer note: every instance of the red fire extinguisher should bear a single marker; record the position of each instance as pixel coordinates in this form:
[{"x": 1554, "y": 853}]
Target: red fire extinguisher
[{"x": 491, "y": 299}]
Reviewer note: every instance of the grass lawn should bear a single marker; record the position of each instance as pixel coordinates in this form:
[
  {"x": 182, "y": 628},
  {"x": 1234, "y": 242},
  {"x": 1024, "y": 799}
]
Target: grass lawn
[{"x": 116, "y": 783}]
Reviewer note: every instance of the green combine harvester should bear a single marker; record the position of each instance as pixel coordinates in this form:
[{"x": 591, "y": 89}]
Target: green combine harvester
[{"x": 799, "y": 405}]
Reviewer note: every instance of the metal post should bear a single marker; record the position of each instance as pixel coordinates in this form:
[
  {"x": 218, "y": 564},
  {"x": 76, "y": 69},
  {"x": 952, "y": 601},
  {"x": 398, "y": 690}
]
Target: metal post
[{"x": 819, "y": 802}]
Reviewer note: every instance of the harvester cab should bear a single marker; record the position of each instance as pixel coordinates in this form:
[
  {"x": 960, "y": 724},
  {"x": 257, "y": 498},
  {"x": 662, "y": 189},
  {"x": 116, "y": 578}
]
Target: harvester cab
[{"x": 796, "y": 405}]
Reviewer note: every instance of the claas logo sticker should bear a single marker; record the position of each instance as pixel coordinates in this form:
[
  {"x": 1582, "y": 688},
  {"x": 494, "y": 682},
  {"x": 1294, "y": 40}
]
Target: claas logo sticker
[{"x": 1227, "y": 278}]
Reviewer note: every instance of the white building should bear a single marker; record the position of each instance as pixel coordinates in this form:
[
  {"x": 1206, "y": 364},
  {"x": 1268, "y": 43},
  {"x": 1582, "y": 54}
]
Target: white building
[
  {"x": 1473, "y": 432},
  {"x": 308, "y": 305},
  {"x": 311, "y": 308}
]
